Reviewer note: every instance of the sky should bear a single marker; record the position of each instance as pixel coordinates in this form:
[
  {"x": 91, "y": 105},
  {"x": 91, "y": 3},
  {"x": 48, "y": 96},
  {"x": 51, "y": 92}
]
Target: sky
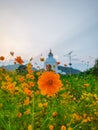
[{"x": 33, "y": 27}]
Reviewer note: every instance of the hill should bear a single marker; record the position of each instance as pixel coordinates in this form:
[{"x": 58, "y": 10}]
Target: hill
[
  {"x": 68, "y": 70},
  {"x": 61, "y": 69},
  {"x": 14, "y": 67}
]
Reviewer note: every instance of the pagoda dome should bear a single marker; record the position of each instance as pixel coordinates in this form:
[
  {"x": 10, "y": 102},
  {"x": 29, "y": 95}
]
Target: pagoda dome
[{"x": 50, "y": 58}]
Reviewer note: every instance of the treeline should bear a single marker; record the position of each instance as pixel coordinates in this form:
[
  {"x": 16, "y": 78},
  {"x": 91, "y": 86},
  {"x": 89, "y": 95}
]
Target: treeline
[{"x": 94, "y": 69}]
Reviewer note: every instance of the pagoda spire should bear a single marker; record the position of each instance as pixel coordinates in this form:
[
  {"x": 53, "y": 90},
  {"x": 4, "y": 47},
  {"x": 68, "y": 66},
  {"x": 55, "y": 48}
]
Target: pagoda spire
[{"x": 50, "y": 54}]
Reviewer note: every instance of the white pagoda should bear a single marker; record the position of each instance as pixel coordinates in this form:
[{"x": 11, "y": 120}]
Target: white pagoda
[{"x": 51, "y": 62}]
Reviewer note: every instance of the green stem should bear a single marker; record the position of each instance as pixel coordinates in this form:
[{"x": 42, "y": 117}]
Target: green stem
[
  {"x": 9, "y": 124},
  {"x": 77, "y": 125},
  {"x": 49, "y": 114},
  {"x": 44, "y": 122},
  {"x": 33, "y": 113}
]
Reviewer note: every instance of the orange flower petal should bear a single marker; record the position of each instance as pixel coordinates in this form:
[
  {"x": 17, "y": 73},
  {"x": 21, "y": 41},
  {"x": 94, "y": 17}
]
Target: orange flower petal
[{"x": 49, "y": 83}]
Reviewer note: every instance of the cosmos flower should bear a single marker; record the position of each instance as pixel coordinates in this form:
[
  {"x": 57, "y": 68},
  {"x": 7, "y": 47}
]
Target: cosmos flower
[
  {"x": 27, "y": 112},
  {"x": 65, "y": 64},
  {"x": 69, "y": 128},
  {"x": 48, "y": 67},
  {"x": 86, "y": 85},
  {"x": 19, "y": 115},
  {"x": 31, "y": 58},
  {"x": 63, "y": 127},
  {"x": 28, "y": 92},
  {"x": 58, "y": 62},
  {"x": 51, "y": 127},
  {"x": 14, "y": 62},
  {"x": 26, "y": 101},
  {"x": 2, "y": 58},
  {"x": 54, "y": 114},
  {"x": 49, "y": 83},
  {"x": 30, "y": 127},
  {"x": 31, "y": 84},
  {"x": 12, "y": 53},
  {"x": 21, "y": 79},
  {"x": 42, "y": 59},
  {"x": 19, "y": 60}
]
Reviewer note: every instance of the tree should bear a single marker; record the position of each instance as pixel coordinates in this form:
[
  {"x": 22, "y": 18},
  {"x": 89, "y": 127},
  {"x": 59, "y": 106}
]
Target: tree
[
  {"x": 22, "y": 69},
  {"x": 95, "y": 68}
]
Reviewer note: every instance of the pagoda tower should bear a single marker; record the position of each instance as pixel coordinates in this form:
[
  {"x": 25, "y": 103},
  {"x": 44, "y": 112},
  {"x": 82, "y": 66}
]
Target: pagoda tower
[{"x": 50, "y": 62}]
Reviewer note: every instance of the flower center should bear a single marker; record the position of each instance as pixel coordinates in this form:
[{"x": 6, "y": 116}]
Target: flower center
[{"x": 50, "y": 82}]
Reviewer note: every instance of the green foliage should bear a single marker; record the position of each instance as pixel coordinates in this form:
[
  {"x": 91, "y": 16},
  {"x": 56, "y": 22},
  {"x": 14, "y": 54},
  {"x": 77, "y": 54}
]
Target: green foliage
[
  {"x": 22, "y": 69},
  {"x": 75, "y": 105},
  {"x": 95, "y": 68}
]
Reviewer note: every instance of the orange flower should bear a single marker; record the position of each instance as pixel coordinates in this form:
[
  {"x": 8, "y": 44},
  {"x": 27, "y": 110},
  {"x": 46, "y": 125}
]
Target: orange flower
[
  {"x": 57, "y": 62},
  {"x": 54, "y": 114},
  {"x": 63, "y": 127},
  {"x": 28, "y": 92},
  {"x": 86, "y": 85},
  {"x": 45, "y": 104},
  {"x": 12, "y": 53},
  {"x": 65, "y": 64},
  {"x": 15, "y": 63},
  {"x": 48, "y": 67},
  {"x": 10, "y": 87},
  {"x": 26, "y": 101},
  {"x": 27, "y": 112},
  {"x": 42, "y": 59},
  {"x": 51, "y": 127},
  {"x": 29, "y": 76},
  {"x": 40, "y": 105},
  {"x": 69, "y": 128},
  {"x": 29, "y": 66},
  {"x": 21, "y": 79},
  {"x": 85, "y": 120},
  {"x": 30, "y": 127},
  {"x": 19, "y": 60},
  {"x": 49, "y": 83},
  {"x": 31, "y": 84},
  {"x": 2, "y": 58},
  {"x": 19, "y": 115},
  {"x": 31, "y": 58}
]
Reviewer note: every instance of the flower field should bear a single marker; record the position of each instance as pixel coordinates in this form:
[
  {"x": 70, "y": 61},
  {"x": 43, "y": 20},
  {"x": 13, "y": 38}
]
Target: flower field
[{"x": 48, "y": 101}]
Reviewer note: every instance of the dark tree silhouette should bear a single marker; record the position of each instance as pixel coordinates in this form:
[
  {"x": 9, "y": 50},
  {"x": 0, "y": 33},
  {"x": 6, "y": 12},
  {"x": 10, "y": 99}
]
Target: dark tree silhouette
[{"x": 95, "y": 68}]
